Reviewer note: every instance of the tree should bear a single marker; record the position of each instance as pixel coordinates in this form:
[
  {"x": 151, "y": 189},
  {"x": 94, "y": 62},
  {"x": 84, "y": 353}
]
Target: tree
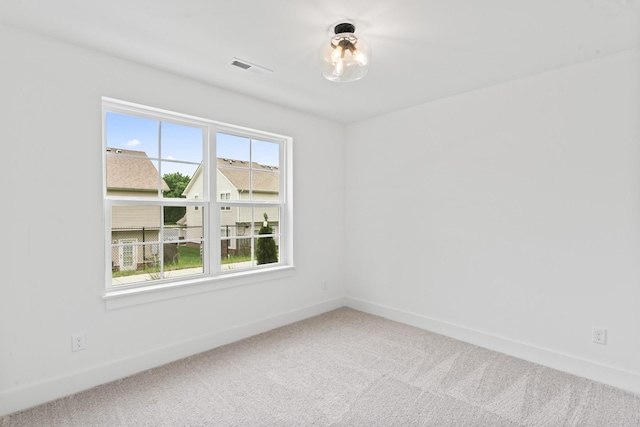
[
  {"x": 177, "y": 182},
  {"x": 266, "y": 250}
]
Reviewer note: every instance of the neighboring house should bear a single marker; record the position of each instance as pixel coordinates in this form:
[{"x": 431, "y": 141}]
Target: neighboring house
[
  {"x": 235, "y": 177},
  {"x": 130, "y": 173}
]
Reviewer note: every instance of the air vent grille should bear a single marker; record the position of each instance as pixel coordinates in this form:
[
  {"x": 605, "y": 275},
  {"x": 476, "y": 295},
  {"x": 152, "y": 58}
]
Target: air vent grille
[
  {"x": 240, "y": 64},
  {"x": 250, "y": 67}
]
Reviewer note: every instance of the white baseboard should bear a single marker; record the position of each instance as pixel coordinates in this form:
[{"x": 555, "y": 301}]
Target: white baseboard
[
  {"x": 53, "y": 388},
  {"x": 595, "y": 371}
]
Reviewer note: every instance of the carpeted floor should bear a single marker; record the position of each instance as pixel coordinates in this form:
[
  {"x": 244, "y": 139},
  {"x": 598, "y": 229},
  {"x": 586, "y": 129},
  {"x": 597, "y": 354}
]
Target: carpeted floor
[{"x": 343, "y": 368}]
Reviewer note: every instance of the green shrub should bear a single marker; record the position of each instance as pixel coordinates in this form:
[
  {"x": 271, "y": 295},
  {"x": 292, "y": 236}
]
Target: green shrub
[{"x": 266, "y": 249}]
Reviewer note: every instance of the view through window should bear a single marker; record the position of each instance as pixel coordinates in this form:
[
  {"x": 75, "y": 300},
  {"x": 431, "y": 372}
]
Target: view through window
[{"x": 170, "y": 179}]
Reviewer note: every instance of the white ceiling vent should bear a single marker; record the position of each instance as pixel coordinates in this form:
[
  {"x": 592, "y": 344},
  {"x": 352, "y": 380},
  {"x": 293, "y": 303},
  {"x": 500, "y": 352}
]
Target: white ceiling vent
[{"x": 250, "y": 67}]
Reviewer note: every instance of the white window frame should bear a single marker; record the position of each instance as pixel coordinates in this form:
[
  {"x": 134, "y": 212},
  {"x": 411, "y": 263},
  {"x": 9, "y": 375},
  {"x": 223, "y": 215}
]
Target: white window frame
[{"x": 214, "y": 277}]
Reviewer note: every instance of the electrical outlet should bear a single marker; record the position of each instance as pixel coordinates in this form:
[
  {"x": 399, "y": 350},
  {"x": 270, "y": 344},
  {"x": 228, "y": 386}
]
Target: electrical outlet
[
  {"x": 325, "y": 286},
  {"x": 600, "y": 336},
  {"x": 78, "y": 342}
]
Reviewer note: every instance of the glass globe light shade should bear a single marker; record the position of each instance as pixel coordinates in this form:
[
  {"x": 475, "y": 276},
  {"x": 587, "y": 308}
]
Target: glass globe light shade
[{"x": 345, "y": 57}]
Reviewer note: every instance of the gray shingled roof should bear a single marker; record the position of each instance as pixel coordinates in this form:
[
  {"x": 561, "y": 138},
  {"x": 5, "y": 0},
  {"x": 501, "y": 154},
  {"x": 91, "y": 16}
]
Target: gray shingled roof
[
  {"x": 265, "y": 178},
  {"x": 131, "y": 170}
]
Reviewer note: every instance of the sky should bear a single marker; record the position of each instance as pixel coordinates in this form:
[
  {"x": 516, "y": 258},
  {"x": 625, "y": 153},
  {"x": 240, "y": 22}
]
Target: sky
[{"x": 182, "y": 145}]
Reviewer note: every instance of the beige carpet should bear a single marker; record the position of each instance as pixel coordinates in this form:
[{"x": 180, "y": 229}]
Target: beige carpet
[{"x": 343, "y": 368}]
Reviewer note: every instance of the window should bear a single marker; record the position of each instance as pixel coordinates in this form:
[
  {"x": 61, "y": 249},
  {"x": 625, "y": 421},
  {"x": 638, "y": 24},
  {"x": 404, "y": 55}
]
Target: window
[
  {"x": 249, "y": 190},
  {"x": 225, "y": 196},
  {"x": 189, "y": 199}
]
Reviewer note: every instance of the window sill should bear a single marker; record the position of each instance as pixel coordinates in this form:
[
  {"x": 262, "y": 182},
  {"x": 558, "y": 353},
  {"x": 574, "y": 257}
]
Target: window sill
[{"x": 135, "y": 296}]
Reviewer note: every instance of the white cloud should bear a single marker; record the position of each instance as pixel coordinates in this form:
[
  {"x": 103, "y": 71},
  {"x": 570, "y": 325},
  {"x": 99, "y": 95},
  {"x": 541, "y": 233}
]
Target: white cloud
[{"x": 133, "y": 143}]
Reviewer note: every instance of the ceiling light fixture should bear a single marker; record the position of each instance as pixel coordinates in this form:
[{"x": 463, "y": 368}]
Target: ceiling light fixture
[{"x": 345, "y": 58}]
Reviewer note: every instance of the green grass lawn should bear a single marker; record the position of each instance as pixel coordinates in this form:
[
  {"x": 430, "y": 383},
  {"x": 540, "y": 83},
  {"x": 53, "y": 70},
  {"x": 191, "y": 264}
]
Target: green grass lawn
[
  {"x": 232, "y": 258},
  {"x": 188, "y": 257}
]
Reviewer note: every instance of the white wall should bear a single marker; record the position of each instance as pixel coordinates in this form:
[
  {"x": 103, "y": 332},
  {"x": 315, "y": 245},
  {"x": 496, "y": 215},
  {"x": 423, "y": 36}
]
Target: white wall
[
  {"x": 53, "y": 262},
  {"x": 519, "y": 211}
]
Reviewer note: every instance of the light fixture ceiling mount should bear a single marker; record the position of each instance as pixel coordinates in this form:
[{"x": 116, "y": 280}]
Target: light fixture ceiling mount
[{"x": 345, "y": 58}]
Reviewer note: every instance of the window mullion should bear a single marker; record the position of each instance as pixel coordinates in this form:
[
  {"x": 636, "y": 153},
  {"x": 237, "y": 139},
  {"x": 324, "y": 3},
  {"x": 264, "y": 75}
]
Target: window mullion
[
  {"x": 214, "y": 237},
  {"x": 108, "y": 243},
  {"x": 159, "y": 157},
  {"x": 252, "y": 234}
]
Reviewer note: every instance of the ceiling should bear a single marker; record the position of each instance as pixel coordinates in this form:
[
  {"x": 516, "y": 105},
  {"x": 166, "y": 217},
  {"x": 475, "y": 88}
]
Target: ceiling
[{"x": 423, "y": 50}]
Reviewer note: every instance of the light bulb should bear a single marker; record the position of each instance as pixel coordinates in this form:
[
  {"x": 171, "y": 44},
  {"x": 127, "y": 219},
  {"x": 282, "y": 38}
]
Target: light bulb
[
  {"x": 339, "y": 68},
  {"x": 360, "y": 57},
  {"x": 337, "y": 54}
]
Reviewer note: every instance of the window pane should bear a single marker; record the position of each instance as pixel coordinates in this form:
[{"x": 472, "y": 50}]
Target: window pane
[
  {"x": 180, "y": 142},
  {"x": 137, "y": 254},
  {"x": 135, "y": 236},
  {"x": 265, "y": 153},
  {"x": 233, "y": 177},
  {"x": 134, "y": 263},
  {"x": 267, "y": 250},
  {"x": 232, "y": 147},
  {"x": 191, "y": 228},
  {"x": 183, "y": 246},
  {"x": 126, "y": 220},
  {"x": 177, "y": 178},
  {"x": 272, "y": 218},
  {"x": 265, "y": 181},
  {"x": 132, "y": 174},
  {"x": 182, "y": 259},
  {"x": 244, "y": 220},
  {"x": 265, "y": 178},
  {"x": 132, "y": 133},
  {"x": 266, "y": 244},
  {"x": 235, "y": 252},
  {"x": 235, "y": 221},
  {"x": 235, "y": 237}
]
